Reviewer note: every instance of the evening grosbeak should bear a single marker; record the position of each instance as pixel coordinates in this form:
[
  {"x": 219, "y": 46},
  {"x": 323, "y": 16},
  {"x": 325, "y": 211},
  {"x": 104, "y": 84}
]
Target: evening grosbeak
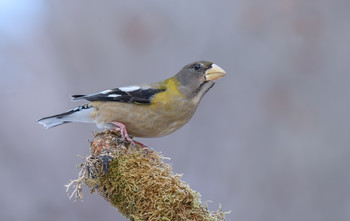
[{"x": 145, "y": 110}]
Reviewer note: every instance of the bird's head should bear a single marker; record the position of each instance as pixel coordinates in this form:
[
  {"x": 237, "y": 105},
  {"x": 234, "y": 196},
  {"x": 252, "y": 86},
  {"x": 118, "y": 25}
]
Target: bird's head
[{"x": 198, "y": 77}]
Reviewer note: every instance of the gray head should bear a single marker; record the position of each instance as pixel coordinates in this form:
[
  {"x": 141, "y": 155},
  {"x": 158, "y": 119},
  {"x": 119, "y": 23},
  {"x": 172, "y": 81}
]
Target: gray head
[{"x": 198, "y": 77}]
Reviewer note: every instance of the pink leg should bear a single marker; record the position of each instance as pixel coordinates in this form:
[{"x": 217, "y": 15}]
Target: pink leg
[{"x": 123, "y": 132}]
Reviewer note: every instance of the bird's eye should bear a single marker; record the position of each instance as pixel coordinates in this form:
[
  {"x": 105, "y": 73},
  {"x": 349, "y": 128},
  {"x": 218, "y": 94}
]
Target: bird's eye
[{"x": 196, "y": 67}]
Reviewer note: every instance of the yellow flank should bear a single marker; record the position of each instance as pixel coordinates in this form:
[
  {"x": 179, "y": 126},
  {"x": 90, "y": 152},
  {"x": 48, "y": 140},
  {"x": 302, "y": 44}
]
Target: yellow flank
[{"x": 172, "y": 92}]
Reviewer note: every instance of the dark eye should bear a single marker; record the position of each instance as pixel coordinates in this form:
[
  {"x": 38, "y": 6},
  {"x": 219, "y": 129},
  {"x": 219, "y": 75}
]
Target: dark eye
[{"x": 196, "y": 67}]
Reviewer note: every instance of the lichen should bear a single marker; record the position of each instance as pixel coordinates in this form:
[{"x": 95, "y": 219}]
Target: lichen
[{"x": 138, "y": 183}]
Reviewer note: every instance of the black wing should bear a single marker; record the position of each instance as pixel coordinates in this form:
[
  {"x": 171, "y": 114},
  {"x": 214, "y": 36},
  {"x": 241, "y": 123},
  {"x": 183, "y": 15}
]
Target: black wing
[{"x": 131, "y": 94}]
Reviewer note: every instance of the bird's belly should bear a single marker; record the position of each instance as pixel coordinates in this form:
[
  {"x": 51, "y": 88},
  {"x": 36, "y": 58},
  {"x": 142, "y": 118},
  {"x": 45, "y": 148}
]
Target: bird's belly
[{"x": 145, "y": 121}]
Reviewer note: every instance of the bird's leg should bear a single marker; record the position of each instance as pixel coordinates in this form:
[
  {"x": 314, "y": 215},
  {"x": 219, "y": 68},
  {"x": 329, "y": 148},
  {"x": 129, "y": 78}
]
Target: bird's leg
[{"x": 123, "y": 132}]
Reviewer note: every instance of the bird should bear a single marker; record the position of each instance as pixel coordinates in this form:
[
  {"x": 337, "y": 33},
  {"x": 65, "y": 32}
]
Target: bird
[{"x": 145, "y": 110}]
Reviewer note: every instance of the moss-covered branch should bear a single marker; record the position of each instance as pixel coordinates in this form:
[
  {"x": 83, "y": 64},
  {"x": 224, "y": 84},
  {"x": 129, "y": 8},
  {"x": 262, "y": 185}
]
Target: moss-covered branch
[{"x": 138, "y": 182}]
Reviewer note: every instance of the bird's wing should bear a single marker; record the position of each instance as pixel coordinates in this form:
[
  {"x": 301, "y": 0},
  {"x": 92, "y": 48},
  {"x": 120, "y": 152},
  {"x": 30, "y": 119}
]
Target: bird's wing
[{"x": 129, "y": 94}]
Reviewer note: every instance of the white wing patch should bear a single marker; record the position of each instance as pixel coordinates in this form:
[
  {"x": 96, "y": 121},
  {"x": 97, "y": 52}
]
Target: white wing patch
[
  {"x": 113, "y": 95},
  {"x": 129, "y": 88}
]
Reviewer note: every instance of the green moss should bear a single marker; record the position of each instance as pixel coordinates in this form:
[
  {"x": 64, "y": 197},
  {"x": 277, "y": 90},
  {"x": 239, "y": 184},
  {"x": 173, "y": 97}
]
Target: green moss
[{"x": 140, "y": 184}]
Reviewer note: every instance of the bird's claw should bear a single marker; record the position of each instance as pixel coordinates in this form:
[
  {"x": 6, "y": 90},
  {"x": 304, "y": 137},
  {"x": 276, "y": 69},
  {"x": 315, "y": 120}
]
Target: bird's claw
[
  {"x": 125, "y": 136},
  {"x": 123, "y": 132}
]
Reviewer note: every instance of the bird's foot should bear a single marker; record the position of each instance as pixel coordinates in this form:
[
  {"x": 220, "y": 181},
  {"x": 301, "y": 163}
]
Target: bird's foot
[
  {"x": 125, "y": 135},
  {"x": 123, "y": 132}
]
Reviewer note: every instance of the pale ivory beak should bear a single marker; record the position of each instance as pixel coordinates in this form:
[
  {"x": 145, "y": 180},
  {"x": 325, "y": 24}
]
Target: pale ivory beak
[{"x": 214, "y": 73}]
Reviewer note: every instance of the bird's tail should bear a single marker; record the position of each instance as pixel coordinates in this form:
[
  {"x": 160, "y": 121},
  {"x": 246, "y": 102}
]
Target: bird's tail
[{"x": 78, "y": 114}]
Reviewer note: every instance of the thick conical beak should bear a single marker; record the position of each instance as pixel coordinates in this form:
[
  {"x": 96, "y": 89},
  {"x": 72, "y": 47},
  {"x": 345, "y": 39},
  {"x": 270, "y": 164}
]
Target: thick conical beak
[{"x": 214, "y": 73}]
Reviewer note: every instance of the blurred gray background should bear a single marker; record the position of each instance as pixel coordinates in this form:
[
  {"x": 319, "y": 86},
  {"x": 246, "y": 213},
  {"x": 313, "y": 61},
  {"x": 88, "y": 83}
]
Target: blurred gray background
[{"x": 269, "y": 142}]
